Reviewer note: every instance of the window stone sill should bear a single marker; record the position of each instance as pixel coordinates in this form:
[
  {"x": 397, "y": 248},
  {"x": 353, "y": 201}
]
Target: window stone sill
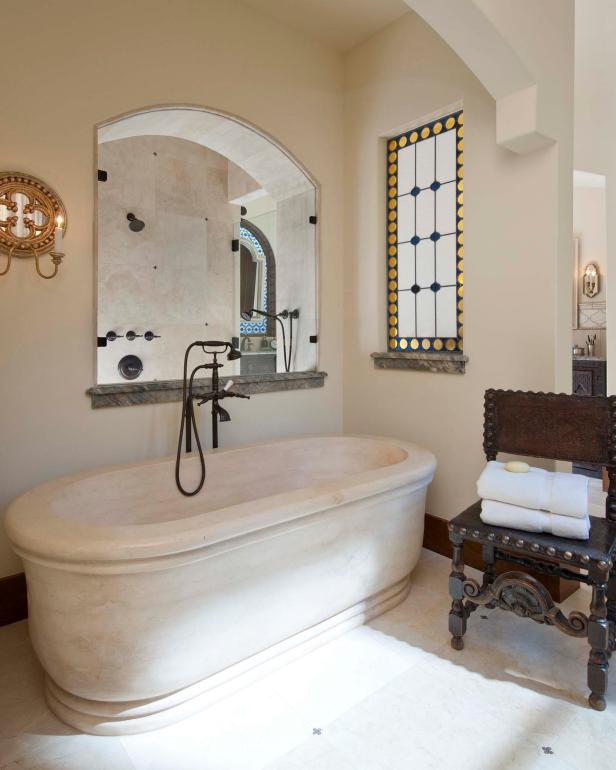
[
  {"x": 447, "y": 363},
  {"x": 164, "y": 391}
]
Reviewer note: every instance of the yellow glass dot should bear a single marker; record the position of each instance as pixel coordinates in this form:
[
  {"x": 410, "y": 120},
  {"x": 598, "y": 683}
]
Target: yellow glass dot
[
  {"x": 392, "y": 273},
  {"x": 392, "y": 344},
  {"x": 461, "y": 318},
  {"x": 392, "y": 157},
  {"x": 402, "y": 141},
  {"x": 449, "y": 123},
  {"x": 392, "y": 216},
  {"x": 461, "y": 333},
  {"x": 392, "y": 169},
  {"x": 460, "y": 291},
  {"x": 461, "y": 251},
  {"x": 392, "y": 320},
  {"x": 414, "y": 344},
  {"x": 392, "y": 180},
  {"x": 461, "y": 238},
  {"x": 460, "y": 185},
  {"x": 393, "y": 204},
  {"x": 425, "y": 132},
  {"x": 461, "y": 225},
  {"x": 461, "y": 119},
  {"x": 393, "y": 285},
  {"x": 392, "y": 308},
  {"x": 392, "y": 296},
  {"x": 460, "y": 173},
  {"x": 450, "y": 344},
  {"x": 393, "y": 144},
  {"x": 393, "y": 332},
  {"x": 461, "y": 158},
  {"x": 414, "y": 137},
  {"x": 460, "y": 145},
  {"x": 438, "y": 344},
  {"x": 392, "y": 251},
  {"x": 392, "y": 261},
  {"x": 460, "y": 133},
  {"x": 404, "y": 344},
  {"x": 425, "y": 344},
  {"x": 392, "y": 192},
  {"x": 391, "y": 227},
  {"x": 392, "y": 238},
  {"x": 461, "y": 265},
  {"x": 461, "y": 304},
  {"x": 438, "y": 127},
  {"x": 460, "y": 199},
  {"x": 461, "y": 212},
  {"x": 461, "y": 279}
]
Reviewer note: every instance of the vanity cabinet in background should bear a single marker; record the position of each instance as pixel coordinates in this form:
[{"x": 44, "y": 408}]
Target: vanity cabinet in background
[{"x": 589, "y": 379}]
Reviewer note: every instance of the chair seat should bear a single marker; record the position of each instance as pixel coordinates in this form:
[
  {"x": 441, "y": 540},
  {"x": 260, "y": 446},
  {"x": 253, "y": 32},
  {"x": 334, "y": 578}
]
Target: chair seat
[{"x": 600, "y": 546}]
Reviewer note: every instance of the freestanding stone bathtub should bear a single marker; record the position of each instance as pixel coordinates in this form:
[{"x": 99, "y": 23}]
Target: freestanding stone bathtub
[{"x": 145, "y": 605}]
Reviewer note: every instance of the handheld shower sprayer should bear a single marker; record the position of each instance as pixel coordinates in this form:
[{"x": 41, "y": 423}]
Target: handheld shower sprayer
[
  {"x": 291, "y": 315},
  {"x": 188, "y": 424}
]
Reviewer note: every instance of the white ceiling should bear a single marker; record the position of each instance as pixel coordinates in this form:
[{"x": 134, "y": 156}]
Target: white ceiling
[{"x": 340, "y": 24}]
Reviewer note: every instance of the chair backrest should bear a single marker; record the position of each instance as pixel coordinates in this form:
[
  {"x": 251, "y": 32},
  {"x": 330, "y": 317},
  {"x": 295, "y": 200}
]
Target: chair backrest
[{"x": 554, "y": 426}]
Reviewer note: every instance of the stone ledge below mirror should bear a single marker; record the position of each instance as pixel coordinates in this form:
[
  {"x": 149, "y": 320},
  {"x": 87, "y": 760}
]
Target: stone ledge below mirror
[
  {"x": 163, "y": 391},
  {"x": 447, "y": 363}
]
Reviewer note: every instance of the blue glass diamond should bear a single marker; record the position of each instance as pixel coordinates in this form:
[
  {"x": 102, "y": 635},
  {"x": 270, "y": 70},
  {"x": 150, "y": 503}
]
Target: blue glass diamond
[
  {"x": 415, "y": 191},
  {"x": 435, "y": 185},
  {"x": 435, "y": 286},
  {"x": 415, "y": 288},
  {"x": 415, "y": 240},
  {"x": 435, "y": 236}
]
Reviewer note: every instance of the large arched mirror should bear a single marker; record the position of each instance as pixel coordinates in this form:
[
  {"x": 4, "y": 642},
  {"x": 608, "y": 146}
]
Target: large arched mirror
[{"x": 206, "y": 230}]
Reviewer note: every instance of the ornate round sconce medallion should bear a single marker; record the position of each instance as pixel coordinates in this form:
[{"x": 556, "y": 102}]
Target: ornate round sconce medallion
[{"x": 29, "y": 212}]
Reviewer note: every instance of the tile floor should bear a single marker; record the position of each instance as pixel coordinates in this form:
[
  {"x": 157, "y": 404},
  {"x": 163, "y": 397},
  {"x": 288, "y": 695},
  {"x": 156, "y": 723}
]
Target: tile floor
[{"x": 391, "y": 695}]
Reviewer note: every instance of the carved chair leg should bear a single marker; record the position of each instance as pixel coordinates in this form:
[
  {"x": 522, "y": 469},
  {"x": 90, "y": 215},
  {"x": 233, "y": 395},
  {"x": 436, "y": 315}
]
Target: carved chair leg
[
  {"x": 598, "y": 638},
  {"x": 611, "y": 596},
  {"x": 458, "y": 613},
  {"x": 489, "y": 572}
]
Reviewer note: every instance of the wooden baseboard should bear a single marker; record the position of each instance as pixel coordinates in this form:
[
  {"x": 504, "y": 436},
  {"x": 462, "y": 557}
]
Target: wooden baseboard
[
  {"x": 436, "y": 538},
  {"x": 13, "y": 599}
]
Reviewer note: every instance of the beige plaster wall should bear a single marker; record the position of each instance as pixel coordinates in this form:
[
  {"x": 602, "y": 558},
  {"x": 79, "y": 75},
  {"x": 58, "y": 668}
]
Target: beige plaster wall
[
  {"x": 88, "y": 62},
  {"x": 515, "y": 213}
]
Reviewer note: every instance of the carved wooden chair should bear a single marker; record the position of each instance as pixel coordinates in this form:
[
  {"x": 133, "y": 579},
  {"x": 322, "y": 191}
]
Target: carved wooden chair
[{"x": 559, "y": 427}]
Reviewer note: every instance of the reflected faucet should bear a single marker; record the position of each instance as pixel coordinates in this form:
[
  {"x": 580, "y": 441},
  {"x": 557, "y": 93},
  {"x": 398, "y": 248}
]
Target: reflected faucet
[
  {"x": 291, "y": 315},
  {"x": 188, "y": 423}
]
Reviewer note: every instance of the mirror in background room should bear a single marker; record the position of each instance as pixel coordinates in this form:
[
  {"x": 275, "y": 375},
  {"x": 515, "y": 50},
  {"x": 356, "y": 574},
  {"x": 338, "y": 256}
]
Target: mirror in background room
[{"x": 206, "y": 231}]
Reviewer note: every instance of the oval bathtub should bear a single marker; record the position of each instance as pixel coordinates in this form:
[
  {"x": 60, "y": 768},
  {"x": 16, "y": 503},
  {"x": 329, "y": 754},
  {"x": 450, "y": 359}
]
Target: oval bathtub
[{"x": 146, "y": 606}]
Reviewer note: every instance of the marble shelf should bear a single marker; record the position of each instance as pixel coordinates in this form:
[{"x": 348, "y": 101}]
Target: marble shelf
[{"x": 163, "y": 391}]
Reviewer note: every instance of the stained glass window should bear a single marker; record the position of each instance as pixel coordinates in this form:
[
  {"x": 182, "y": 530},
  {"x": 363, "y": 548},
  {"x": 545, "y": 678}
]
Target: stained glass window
[{"x": 425, "y": 236}]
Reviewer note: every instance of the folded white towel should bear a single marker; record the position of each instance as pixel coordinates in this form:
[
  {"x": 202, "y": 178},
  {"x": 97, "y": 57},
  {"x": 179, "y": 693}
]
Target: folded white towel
[
  {"x": 565, "y": 494},
  {"x": 530, "y": 520}
]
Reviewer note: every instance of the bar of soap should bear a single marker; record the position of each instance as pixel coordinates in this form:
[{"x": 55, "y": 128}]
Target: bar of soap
[{"x": 515, "y": 466}]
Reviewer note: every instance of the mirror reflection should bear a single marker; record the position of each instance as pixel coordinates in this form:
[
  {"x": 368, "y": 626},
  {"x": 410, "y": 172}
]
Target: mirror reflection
[{"x": 206, "y": 230}]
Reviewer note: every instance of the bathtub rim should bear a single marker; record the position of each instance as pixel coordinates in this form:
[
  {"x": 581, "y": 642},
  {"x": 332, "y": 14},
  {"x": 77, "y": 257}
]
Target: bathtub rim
[{"x": 38, "y": 534}]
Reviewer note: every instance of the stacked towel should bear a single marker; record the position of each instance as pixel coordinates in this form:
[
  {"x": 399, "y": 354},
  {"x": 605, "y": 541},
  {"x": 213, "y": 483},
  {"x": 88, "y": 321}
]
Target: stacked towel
[{"x": 537, "y": 501}]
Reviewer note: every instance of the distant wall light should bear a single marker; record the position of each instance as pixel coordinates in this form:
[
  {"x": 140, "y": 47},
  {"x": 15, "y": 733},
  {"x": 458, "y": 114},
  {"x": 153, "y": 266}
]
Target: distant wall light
[{"x": 590, "y": 280}]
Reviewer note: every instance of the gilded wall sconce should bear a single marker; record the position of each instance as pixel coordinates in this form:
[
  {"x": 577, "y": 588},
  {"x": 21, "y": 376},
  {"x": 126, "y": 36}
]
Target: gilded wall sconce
[
  {"x": 32, "y": 221},
  {"x": 590, "y": 280}
]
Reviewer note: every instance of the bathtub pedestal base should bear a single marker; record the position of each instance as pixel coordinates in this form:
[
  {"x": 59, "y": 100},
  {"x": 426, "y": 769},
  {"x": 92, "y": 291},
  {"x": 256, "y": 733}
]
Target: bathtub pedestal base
[{"x": 126, "y": 718}]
